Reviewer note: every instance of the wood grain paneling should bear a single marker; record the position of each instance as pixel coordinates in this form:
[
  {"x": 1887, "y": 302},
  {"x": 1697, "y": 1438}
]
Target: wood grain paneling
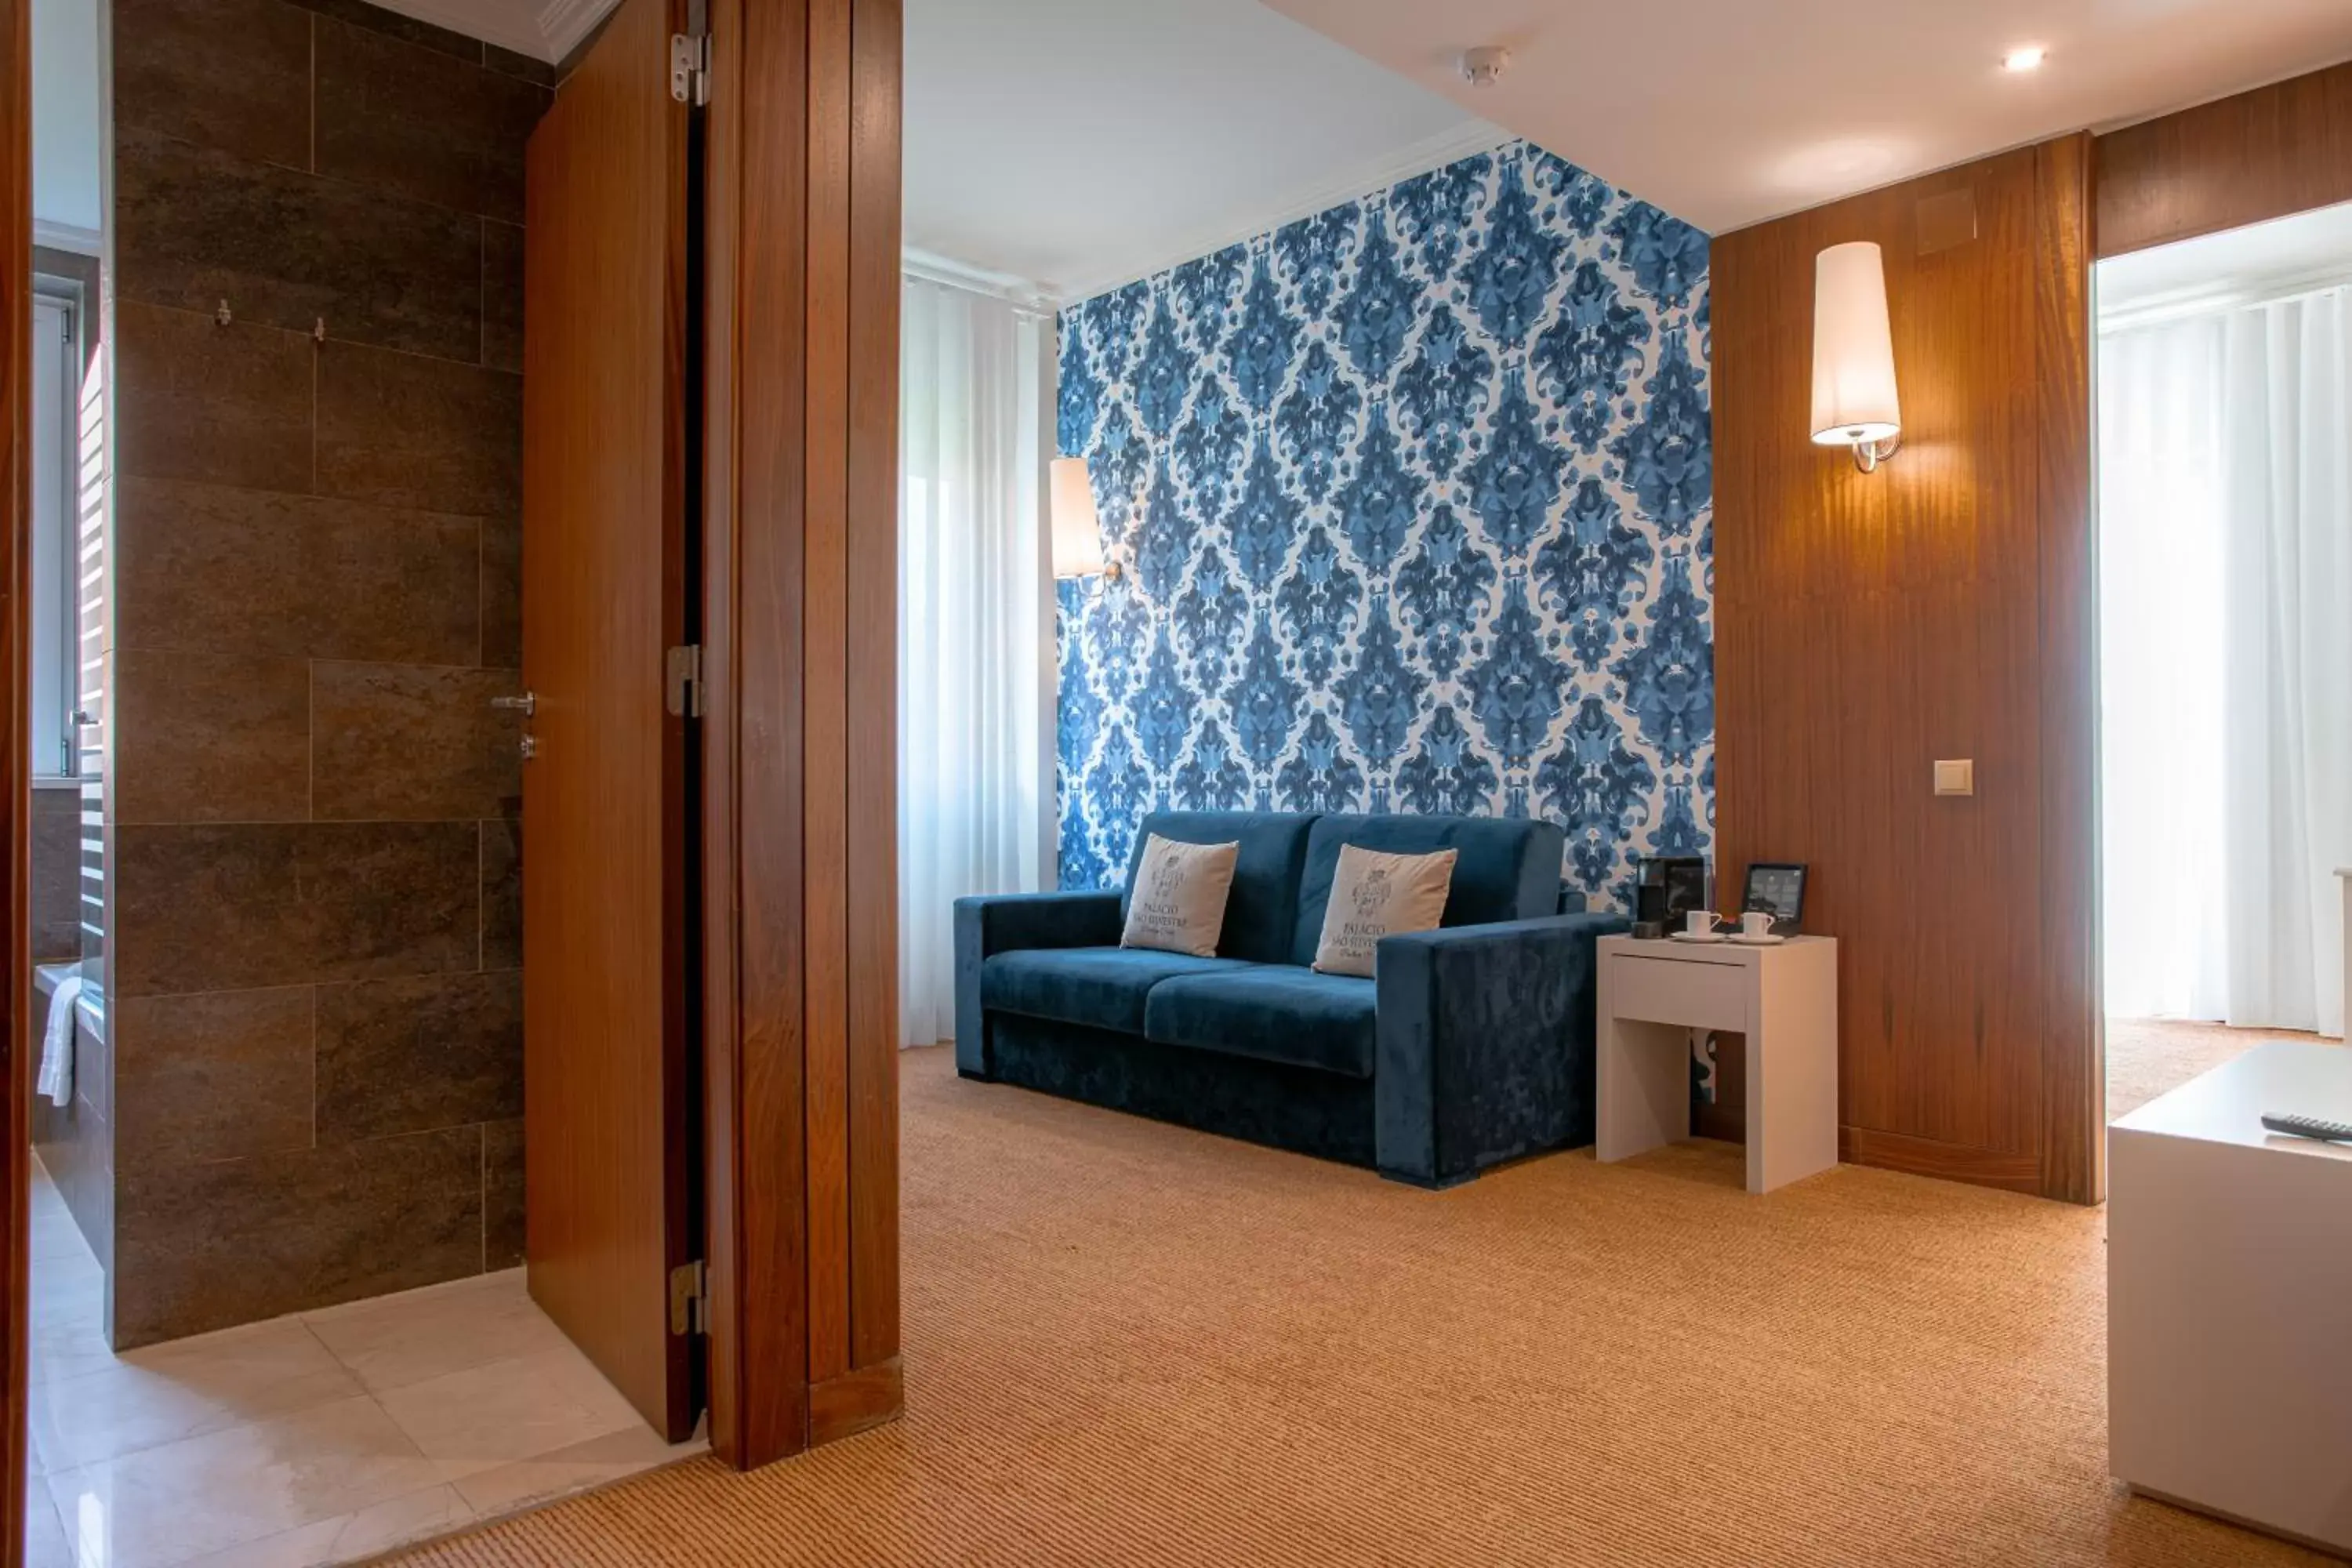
[
  {"x": 2073, "y": 1021},
  {"x": 603, "y": 802},
  {"x": 856, "y": 1401},
  {"x": 16, "y": 775},
  {"x": 1869, "y": 625},
  {"x": 2256, "y": 155},
  {"x": 800, "y": 629},
  {"x": 824, "y": 693},
  {"x": 754, "y": 1010},
  {"x": 873, "y": 594}
]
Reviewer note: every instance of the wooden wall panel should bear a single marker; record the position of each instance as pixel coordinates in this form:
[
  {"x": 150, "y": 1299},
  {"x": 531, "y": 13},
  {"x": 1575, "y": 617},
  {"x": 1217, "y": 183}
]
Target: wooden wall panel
[
  {"x": 873, "y": 590},
  {"x": 800, "y": 806},
  {"x": 16, "y": 764},
  {"x": 2262, "y": 154},
  {"x": 755, "y": 172},
  {"x": 825, "y": 691},
  {"x": 1869, "y": 625},
  {"x": 2073, "y": 1015}
]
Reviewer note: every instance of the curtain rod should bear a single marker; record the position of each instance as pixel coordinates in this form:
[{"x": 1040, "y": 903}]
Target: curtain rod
[
  {"x": 2222, "y": 299},
  {"x": 927, "y": 267}
]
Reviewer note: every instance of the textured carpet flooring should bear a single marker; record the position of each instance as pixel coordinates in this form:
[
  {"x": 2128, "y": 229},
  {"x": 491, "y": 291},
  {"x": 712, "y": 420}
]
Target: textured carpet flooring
[
  {"x": 1129, "y": 1344},
  {"x": 2149, "y": 1056}
]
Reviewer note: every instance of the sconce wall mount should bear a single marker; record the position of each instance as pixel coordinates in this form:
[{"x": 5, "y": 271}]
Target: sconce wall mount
[
  {"x": 1077, "y": 526},
  {"x": 1855, "y": 400}
]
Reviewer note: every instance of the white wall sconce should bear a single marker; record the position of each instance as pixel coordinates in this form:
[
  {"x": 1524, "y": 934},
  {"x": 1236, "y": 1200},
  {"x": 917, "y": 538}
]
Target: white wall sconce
[
  {"x": 1854, "y": 403},
  {"x": 1077, "y": 530}
]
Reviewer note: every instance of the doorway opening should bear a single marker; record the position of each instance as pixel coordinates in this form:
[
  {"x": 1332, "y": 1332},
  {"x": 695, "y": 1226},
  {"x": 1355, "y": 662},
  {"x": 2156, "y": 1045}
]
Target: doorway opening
[{"x": 2224, "y": 383}]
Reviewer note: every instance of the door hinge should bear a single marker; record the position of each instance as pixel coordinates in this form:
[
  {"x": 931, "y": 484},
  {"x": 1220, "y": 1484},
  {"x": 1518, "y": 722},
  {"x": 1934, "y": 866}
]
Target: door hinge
[
  {"x": 689, "y": 67},
  {"x": 689, "y": 1299},
  {"x": 685, "y": 684}
]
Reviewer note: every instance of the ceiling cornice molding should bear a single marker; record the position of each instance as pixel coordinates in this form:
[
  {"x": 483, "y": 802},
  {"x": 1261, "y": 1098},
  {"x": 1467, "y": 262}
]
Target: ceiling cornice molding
[
  {"x": 545, "y": 30},
  {"x": 930, "y": 267},
  {"x": 1433, "y": 152},
  {"x": 562, "y": 24},
  {"x": 67, "y": 236},
  {"x": 509, "y": 24}
]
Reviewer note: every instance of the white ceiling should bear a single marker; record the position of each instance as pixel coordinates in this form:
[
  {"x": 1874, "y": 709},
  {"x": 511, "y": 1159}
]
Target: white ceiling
[
  {"x": 2309, "y": 250},
  {"x": 1726, "y": 112},
  {"x": 1076, "y": 144}
]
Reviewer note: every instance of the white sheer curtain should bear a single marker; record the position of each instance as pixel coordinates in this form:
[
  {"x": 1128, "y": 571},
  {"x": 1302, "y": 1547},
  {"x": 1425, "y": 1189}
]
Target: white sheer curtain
[
  {"x": 975, "y": 625},
  {"x": 2225, "y": 482}
]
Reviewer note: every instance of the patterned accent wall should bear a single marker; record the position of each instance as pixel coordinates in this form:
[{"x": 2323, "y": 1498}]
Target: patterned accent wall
[{"x": 1414, "y": 499}]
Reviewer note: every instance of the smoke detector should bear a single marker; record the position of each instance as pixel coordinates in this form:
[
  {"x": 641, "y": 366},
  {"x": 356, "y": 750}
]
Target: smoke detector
[{"x": 1484, "y": 67}]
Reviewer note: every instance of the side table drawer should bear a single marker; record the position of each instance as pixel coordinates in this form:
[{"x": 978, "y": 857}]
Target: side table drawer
[{"x": 1679, "y": 991}]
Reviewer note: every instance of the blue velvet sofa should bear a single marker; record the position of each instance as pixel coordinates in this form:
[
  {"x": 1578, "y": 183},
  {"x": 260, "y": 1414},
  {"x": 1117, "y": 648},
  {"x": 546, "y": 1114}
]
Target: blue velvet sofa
[{"x": 1472, "y": 1044}]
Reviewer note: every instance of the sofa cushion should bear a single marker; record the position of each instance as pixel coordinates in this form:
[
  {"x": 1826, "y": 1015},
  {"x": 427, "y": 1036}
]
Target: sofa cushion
[
  {"x": 1177, "y": 901},
  {"x": 1103, "y": 987},
  {"x": 1263, "y": 903},
  {"x": 1274, "y": 1012},
  {"x": 1506, "y": 868}
]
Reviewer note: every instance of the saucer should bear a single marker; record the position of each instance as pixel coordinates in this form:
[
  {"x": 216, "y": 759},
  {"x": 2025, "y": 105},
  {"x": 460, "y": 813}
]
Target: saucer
[
  {"x": 1690, "y": 936},
  {"x": 1768, "y": 939}
]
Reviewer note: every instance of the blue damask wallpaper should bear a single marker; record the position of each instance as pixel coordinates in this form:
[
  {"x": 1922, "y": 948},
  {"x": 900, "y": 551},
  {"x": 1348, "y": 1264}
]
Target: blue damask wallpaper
[{"x": 1414, "y": 499}]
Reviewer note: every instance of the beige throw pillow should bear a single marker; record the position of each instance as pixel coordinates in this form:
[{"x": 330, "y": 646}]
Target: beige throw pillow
[
  {"x": 1375, "y": 895},
  {"x": 1178, "y": 901}
]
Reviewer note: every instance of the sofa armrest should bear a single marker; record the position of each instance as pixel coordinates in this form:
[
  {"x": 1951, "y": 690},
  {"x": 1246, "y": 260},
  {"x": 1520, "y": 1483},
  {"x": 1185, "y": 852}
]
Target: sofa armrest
[
  {"x": 1010, "y": 922},
  {"x": 1484, "y": 1048}
]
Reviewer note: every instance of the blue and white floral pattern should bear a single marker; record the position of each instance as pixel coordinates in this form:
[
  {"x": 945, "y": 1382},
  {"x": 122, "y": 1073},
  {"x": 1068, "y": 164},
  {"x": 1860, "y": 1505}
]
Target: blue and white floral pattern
[{"x": 1416, "y": 499}]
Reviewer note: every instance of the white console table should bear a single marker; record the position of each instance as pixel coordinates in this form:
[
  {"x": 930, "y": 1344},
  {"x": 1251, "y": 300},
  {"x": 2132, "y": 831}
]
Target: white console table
[
  {"x": 1783, "y": 998},
  {"x": 2228, "y": 1266}
]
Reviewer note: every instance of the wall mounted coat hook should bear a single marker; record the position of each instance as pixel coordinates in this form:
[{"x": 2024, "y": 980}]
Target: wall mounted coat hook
[
  {"x": 222, "y": 317},
  {"x": 319, "y": 331}
]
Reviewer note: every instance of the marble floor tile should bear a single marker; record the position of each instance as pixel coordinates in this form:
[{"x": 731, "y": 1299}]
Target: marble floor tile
[
  {"x": 392, "y": 1341},
  {"x": 317, "y": 1439},
  {"x": 350, "y": 1537},
  {"x": 186, "y": 1388},
  {"x": 55, "y": 1238},
  {"x": 44, "y": 1538},
  {"x": 69, "y": 1345},
  {"x": 597, "y": 1462},
  {"x": 70, "y": 1279},
  {"x": 166, "y": 1505},
  {"x": 486, "y": 1416}
]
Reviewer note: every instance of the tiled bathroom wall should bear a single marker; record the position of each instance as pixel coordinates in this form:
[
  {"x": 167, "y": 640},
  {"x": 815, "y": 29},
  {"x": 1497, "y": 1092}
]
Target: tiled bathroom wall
[{"x": 316, "y": 949}]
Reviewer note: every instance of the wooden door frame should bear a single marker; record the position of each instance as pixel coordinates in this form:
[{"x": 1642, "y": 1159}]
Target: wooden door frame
[
  {"x": 799, "y": 804},
  {"x": 16, "y": 772}
]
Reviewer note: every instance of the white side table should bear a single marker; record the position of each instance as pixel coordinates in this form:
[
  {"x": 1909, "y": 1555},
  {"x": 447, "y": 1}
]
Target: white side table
[
  {"x": 1783, "y": 998},
  {"x": 2229, "y": 1265}
]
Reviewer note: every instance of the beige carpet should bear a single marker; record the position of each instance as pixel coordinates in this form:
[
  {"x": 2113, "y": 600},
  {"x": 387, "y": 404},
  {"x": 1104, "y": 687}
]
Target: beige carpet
[
  {"x": 1132, "y": 1345},
  {"x": 2149, "y": 1056}
]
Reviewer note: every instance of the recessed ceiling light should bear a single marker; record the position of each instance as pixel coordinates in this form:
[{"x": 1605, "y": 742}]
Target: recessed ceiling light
[{"x": 2027, "y": 58}]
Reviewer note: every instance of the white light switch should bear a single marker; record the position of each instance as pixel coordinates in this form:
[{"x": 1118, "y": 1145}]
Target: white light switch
[{"x": 1957, "y": 777}]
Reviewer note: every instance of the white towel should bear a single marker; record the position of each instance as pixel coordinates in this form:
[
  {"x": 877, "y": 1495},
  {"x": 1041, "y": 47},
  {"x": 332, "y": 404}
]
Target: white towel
[{"x": 58, "y": 1043}]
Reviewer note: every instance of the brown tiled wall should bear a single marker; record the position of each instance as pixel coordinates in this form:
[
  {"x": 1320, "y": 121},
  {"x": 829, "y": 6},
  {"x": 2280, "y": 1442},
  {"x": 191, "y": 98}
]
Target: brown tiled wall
[
  {"x": 57, "y": 883},
  {"x": 318, "y": 1002}
]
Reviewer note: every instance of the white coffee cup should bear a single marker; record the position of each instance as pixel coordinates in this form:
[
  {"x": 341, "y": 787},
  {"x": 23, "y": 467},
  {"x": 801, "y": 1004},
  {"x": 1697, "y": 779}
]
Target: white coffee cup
[
  {"x": 1755, "y": 923},
  {"x": 1699, "y": 922}
]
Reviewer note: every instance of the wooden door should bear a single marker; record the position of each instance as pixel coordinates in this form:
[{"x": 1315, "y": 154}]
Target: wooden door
[
  {"x": 15, "y": 567},
  {"x": 604, "y": 848}
]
